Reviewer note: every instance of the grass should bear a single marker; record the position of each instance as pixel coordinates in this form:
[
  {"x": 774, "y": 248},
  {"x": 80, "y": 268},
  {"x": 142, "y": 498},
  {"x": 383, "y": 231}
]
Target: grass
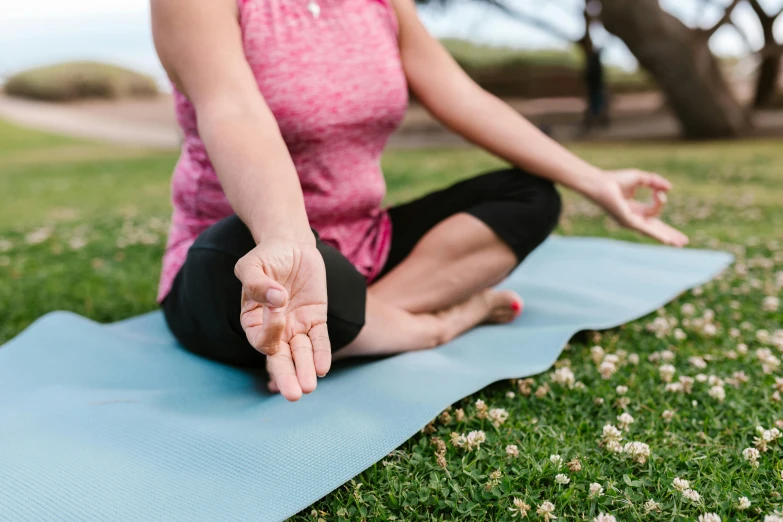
[
  {"x": 82, "y": 228},
  {"x": 76, "y": 80}
]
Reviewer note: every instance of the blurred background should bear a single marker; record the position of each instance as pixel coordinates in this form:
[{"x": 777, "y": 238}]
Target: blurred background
[{"x": 88, "y": 139}]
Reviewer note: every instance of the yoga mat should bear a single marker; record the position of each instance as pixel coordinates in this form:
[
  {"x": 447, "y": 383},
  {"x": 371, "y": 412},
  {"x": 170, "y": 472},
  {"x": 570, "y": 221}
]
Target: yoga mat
[{"x": 116, "y": 422}]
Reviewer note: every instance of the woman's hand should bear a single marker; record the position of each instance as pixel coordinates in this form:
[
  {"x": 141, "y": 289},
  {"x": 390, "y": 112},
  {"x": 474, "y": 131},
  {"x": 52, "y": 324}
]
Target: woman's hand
[
  {"x": 284, "y": 313},
  {"x": 616, "y": 195}
]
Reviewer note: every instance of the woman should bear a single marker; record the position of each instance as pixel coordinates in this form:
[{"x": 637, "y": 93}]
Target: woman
[{"x": 286, "y": 106}]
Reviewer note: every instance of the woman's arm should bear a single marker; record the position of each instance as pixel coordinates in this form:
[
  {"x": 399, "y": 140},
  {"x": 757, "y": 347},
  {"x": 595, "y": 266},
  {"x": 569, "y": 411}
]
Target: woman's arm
[
  {"x": 283, "y": 278},
  {"x": 463, "y": 106},
  {"x": 200, "y": 46}
]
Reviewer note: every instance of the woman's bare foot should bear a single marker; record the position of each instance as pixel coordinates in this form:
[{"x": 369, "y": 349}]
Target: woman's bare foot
[
  {"x": 406, "y": 332},
  {"x": 488, "y": 306}
]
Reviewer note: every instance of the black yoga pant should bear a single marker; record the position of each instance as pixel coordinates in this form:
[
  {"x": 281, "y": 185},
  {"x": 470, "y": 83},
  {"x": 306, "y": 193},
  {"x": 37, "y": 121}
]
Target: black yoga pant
[{"x": 203, "y": 306}]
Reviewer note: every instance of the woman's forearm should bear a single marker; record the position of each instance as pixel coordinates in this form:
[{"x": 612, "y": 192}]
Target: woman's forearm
[
  {"x": 257, "y": 175},
  {"x": 492, "y": 124}
]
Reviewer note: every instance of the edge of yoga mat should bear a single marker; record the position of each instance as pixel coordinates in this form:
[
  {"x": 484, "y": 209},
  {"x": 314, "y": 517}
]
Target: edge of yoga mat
[{"x": 448, "y": 356}]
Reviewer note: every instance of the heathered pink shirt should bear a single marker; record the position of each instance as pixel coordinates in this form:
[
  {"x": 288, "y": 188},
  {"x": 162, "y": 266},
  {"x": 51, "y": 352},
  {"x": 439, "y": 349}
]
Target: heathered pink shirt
[{"x": 336, "y": 86}]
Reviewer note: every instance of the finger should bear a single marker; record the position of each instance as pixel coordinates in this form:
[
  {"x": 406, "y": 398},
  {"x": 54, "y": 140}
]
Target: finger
[
  {"x": 302, "y": 352},
  {"x": 272, "y": 384},
  {"x": 650, "y": 209},
  {"x": 281, "y": 365},
  {"x": 654, "y": 181},
  {"x": 258, "y": 286},
  {"x": 657, "y": 229},
  {"x": 322, "y": 348},
  {"x": 271, "y": 337}
]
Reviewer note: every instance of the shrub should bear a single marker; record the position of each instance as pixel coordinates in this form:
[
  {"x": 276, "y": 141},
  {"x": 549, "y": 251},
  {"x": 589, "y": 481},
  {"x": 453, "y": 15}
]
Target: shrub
[{"x": 79, "y": 80}]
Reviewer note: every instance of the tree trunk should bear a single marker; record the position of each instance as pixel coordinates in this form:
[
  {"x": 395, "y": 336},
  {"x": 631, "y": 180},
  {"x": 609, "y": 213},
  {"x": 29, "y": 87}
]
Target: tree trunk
[
  {"x": 767, "y": 81},
  {"x": 680, "y": 61}
]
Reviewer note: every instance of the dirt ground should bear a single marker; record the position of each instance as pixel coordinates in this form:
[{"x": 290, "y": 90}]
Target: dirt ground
[{"x": 151, "y": 123}]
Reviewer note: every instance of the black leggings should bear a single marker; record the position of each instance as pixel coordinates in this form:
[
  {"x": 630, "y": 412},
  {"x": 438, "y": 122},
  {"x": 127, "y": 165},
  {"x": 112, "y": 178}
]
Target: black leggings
[{"x": 203, "y": 306}]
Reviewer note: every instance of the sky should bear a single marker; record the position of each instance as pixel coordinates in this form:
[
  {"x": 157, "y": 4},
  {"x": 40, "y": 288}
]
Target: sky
[{"x": 117, "y": 31}]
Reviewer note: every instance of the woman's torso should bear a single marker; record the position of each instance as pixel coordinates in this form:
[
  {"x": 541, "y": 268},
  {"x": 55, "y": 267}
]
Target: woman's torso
[{"x": 336, "y": 87}]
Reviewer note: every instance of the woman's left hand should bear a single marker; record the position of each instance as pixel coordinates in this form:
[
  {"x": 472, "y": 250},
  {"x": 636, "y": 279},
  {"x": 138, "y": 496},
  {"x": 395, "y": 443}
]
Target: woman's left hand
[{"x": 616, "y": 196}]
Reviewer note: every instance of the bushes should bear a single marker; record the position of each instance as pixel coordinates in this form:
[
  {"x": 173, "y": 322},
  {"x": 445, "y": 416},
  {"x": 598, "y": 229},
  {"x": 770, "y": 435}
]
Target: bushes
[
  {"x": 520, "y": 73},
  {"x": 78, "y": 80}
]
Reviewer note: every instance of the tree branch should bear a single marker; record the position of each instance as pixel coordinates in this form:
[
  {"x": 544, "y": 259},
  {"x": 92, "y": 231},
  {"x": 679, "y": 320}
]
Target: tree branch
[
  {"x": 726, "y": 18},
  {"x": 760, "y": 12},
  {"x": 534, "y": 21}
]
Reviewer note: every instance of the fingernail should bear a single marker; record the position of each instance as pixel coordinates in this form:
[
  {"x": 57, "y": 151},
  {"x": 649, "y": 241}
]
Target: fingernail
[
  {"x": 274, "y": 297},
  {"x": 516, "y": 307}
]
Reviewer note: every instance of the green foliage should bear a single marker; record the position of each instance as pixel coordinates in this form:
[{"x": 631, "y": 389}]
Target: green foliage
[
  {"x": 78, "y": 80},
  {"x": 102, "y": 258},
  {"x": 536, "y": 73}
]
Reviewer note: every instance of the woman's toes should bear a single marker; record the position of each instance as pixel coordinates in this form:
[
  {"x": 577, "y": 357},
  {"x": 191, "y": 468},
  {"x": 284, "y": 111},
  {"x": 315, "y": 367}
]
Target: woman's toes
[{"x": 505, "y": 306}]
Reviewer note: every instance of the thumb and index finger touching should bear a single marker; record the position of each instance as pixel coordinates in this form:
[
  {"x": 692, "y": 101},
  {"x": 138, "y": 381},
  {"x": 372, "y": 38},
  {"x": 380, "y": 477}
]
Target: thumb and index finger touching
[{"x": 266, "y": 291}]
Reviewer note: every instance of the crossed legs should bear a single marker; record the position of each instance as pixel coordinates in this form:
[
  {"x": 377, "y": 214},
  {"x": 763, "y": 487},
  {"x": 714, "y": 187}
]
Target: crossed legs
[{"x": 442, "y": 287}]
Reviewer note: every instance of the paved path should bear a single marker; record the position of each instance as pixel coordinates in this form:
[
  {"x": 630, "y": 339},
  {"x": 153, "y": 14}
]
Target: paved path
[{"x": 152, "y": 124}]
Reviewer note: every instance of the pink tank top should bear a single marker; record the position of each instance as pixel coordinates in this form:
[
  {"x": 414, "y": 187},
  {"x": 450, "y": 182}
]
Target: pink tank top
[{"x": 336, "y": 87}]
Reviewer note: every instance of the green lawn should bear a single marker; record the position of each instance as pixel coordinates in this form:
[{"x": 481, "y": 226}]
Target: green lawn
[{"x": 82, "y": 228}]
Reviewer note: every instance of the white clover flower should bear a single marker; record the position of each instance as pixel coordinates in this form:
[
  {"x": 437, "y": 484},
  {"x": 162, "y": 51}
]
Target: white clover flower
[
  {"x": 520, "y": 508},
  {"x": 691, "y": 495},
  {"x": 762, "y": 336},
  {"x": 579, "y": 385},
  {"x": 718, "y": 393},
  {"x": 458, "y": 440},
  {"x": 651, "y": 505},
  {"x": 701, "y": 377},
  {"x": 597, "y": 354},
  {"x": 638, "y": 451},
  {"x": 697, "y": 362},
  {"x": 687, "y": 383},
  {"x": 770, "y": 303},
  {"x": 498, "y": 416},
  {"x": 604, "y": 518},
  {"x": 546, "y": 510},
  {"x": 734, "y": 332},
  {"x": 596, "y": 490},
  {"x": 612, "y": 358},
  {"x": 625, "y": 420},
  {"x": 714, "y": 380},
  {"x": 562, "y": 479},
  {"x": 742, "y": 348},
  {"x": 675, "y": 387},
  {"x": 709, "y": 517},
  {"x": 633, "y": 358},
  {"x": 709, "y": 329},
  {"x": 752, "y": 456},
  {"x": 564, "y": 376},
  {"x": 667, "y": 415},
  {"x": 38, "y": 236},
  {"x": 688, "y": 309},
  {"x": 680, "y": 484},
  {"x": 556, "y": 460},
  {"x": 512, "y": 451},
  {"x": 744, "y": 503},
  {"x": 679, "y": 334},
  {"x": 621, "y": 390},
  {"x": 773, "y": 518},
  {"x": 510, "y": 395},
  {"x": 476, "y": 438},
  {"x": 607, "y": 369},
  {"x": 667, "y": 372},
  {"x": 667, "y": 355},
  {"x": 610, "y": 433}
]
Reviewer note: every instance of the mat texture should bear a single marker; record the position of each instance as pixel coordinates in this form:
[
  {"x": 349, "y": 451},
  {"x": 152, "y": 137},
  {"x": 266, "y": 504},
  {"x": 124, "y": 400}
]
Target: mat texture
[{"x": 116, "y": 422}]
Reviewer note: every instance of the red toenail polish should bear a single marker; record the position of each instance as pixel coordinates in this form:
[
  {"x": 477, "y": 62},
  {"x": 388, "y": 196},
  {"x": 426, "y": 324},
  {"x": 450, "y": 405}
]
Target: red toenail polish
[{"x": 516, "y": 307}]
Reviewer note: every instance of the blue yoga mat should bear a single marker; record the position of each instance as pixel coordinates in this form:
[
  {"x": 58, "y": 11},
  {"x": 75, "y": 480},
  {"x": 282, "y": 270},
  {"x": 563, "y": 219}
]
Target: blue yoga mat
[{"x": 116, "y": 422}]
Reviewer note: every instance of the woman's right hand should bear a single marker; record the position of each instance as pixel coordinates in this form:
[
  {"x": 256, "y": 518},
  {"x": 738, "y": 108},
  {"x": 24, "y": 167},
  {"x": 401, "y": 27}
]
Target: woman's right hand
[{"x": 284, "y": 313}]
